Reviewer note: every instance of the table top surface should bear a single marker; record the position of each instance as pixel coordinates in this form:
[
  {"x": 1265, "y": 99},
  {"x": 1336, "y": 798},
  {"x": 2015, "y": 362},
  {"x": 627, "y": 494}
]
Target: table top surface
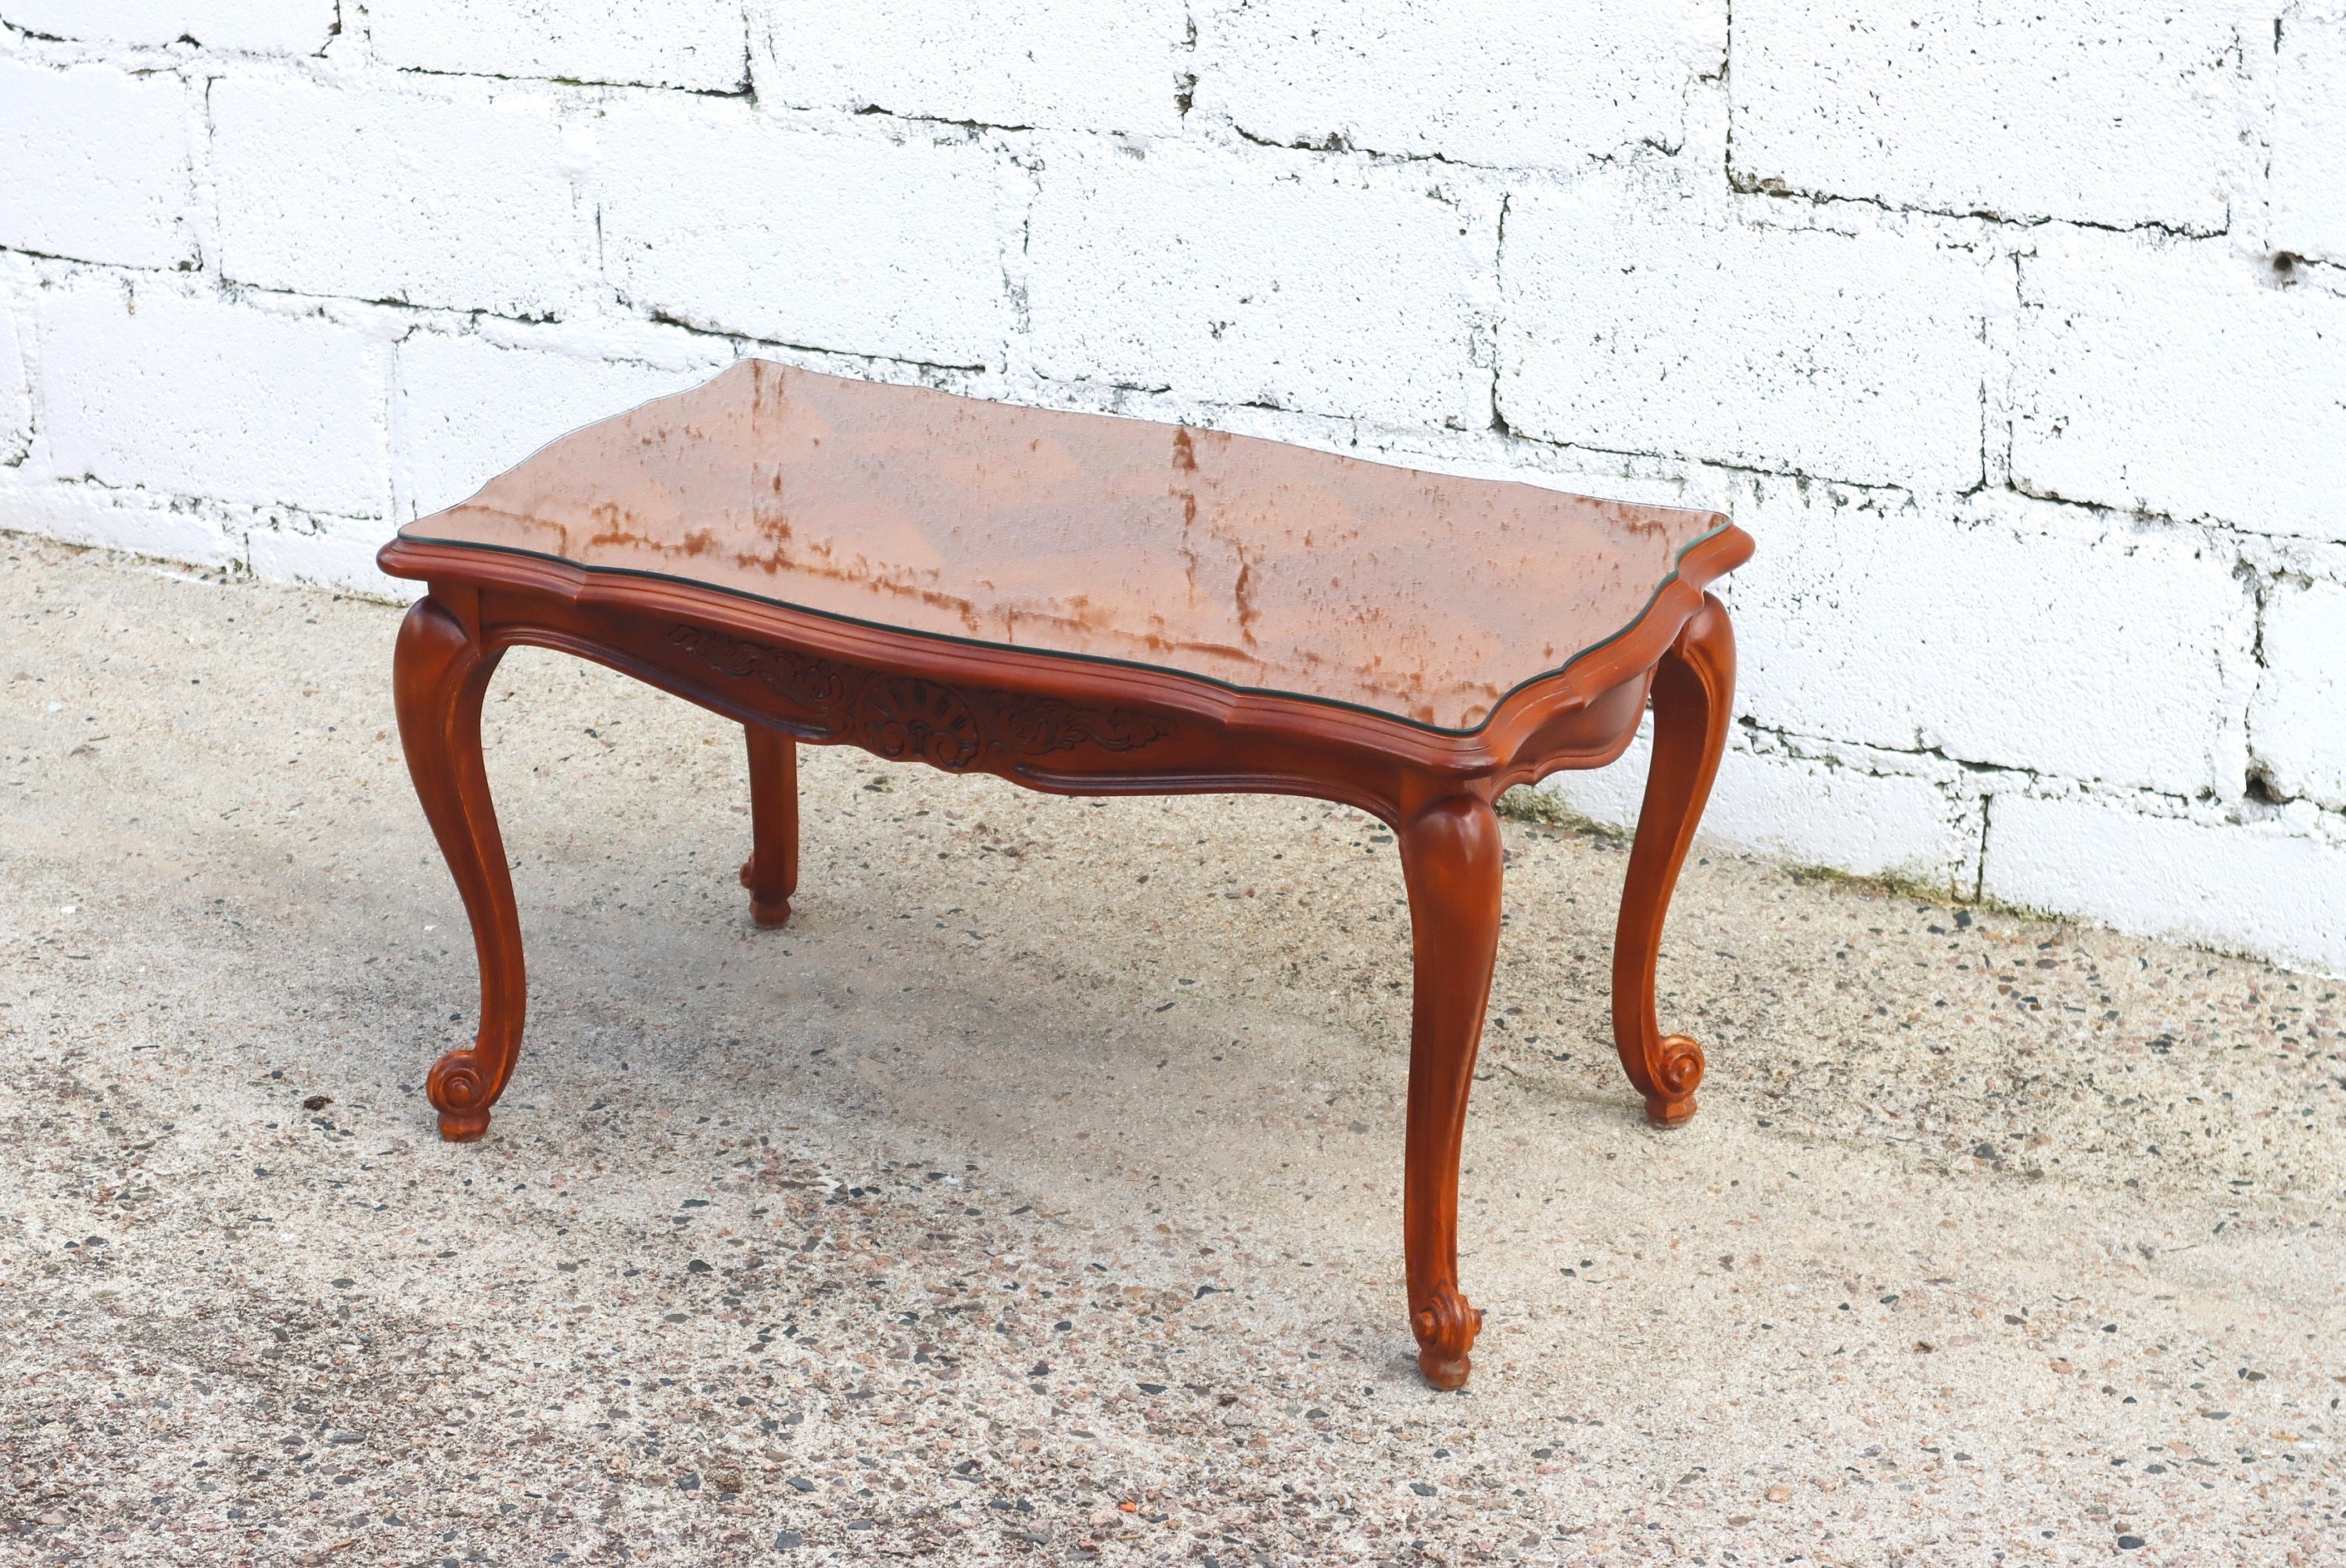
[{"x": 1255, "y": 563}]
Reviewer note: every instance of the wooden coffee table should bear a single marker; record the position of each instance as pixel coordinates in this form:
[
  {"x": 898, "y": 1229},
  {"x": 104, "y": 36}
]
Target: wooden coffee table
[{"x": 1095, "y": 606}]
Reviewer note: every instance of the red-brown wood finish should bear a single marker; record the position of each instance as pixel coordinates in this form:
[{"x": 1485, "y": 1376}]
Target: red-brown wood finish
[
  {"x": 1069, "y": 711},
  {"x": 1694, "y": 686},
  {"x": 772, "y": 871},
  {"x": 440, "y": 673},
  {"x": 1450, "y": 858}
]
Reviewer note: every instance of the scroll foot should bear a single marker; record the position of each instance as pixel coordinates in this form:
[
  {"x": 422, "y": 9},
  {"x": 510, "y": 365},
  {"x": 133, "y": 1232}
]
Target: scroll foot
[
  {"x": 459, "y": 1094},
  {"x": 1694, "y": 686},
  {"x": 1677, "y": 1072},
  {"x": 1446, "y": 1326}
]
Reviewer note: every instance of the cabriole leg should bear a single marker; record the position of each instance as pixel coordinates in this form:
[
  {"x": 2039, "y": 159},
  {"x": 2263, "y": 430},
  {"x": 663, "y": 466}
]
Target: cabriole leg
[
  {"x": 1694, "y": 686},
  {"x": 772, "y": 871},
  {"x": 1450, "y": 857},
  {"x": 439, "y": 674}
]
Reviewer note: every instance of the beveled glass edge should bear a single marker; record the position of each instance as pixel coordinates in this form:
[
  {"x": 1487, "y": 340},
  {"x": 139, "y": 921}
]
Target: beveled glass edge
[{"x": 1724, "y": 525}]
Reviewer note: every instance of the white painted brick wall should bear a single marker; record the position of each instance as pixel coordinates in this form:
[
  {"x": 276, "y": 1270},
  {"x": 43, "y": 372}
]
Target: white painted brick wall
[
  {"x": 467, "y": 408},
  {"x": 1283, "y": 279},
  {"x": 134, "y": 520},
  {"x": 456, "y": 196},
  {"x": 93, "y": 164},
  {"x": 2273, "y": 886},
  {"x": 15, "y": 378},
  {"x": 142, "y": 387},
  {"x": 1856, "y": 629},
  {"x": 2118, "y": 112},
  {"x": 1492, "y": 82},
  {"x": 257, "y": 26},
  {"x": 15, "y": 394},
  {"x": 2298, "y": 724},
  {"x": 891, "y": 241},
  {"x": 1848, "y": 812},
  {"x": 2183, "y": 378},
  {"x": 1069, "y": 65},
  {"x": 1868, "y": 812},
  {"x": 2309, "y": 137},
  {"x": 700, "y": 45},
  {"x": 2016, "y": 334},
  {"x": 1636, "y": 321}
]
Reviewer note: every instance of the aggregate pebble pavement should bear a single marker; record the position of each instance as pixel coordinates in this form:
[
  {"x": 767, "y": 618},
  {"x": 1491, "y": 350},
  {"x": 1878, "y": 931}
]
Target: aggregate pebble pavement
[{"x": 1033, "y": 1196}]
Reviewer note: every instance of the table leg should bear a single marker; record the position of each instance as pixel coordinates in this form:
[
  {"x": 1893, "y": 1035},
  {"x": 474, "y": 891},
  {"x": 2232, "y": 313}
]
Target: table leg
[
  {"x": 772, "y": 871},
  {"x": 439, "y": 674},
  {"x": 1694, "y": 686},
  {"x": 1450, "y": 857}
]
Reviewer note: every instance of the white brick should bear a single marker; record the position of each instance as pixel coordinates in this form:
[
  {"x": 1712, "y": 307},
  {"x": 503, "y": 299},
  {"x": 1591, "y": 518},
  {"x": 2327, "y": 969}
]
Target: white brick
[
  {"x": 2183, "y": 380},
  {"x": 2260, "y": 888},
  {"x": 1916, "y": 628},
  {"x": 468, "y": 410},
  {"x": 1854, "y": 819},
  {"x": 15, "y": 391},
  {"x": 94, "y": 164},
  {"x": 334, "y": 552},
  {"x": 198, "y": 397},
  {"x": 693, "y": 43},
  {"x": 2104, "y": 111},
  {"x": 1844, "y": 813},
  {"x": 454, "y": 199},
  {"x": 2298, "y": 726},
  {"x": 1492, "y": 82},
  {"x": 253, "y": 26},
  {"x": 1073, "y": 64},
  {"x": 135, "y": 520},
  {"x": 855, "y": 243},
  {"x": 1301, "y": 282},
  {"x": 1633, "y": 323},
  {"x": 2308, "y": 138}
]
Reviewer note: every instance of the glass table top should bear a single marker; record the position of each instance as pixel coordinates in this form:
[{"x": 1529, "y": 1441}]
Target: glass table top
[{"x": 1252, "y": 563}]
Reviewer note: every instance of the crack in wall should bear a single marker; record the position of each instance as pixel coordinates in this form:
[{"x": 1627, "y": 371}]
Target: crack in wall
[
  {"x": 1801, "y": 746},
  {"x": 1185, "y": 83},
  {"x": 741, "y": 340},
  {"x": 869, "y": 111},
  {"x": 1987, "y": 822},
  {"x": 1726, "y": 79},
  {"x": 1770, "y": 187},
  {"x": 1499, "y": 294},
  {"x": 1336, "y": 144},
  {"x": 729, "y": 94}
]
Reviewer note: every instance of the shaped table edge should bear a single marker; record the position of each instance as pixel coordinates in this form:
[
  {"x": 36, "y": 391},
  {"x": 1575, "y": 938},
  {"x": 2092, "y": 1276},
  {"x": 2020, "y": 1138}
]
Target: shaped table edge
[{"x": 1505, "y": 747}]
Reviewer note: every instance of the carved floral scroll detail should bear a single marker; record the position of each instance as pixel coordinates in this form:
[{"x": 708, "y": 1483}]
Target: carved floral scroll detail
[
  {"x": 910, "y": 720},
  {"x": 905, "y": 718}
]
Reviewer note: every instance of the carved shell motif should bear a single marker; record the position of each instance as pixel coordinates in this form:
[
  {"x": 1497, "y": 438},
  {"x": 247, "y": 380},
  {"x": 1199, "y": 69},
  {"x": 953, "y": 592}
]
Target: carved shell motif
[{"x": 908, "y": 719}]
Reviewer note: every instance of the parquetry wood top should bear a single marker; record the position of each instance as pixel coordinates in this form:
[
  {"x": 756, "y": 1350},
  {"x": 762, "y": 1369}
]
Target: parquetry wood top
[{"x": 1247, "y": 562}]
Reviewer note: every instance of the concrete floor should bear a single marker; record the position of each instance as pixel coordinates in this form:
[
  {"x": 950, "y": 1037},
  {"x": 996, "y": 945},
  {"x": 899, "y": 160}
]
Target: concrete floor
[{"x": 1033, "y": 1196}]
